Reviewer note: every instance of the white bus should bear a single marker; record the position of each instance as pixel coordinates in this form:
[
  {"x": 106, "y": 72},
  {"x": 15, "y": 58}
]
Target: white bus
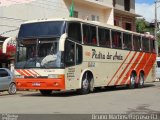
[{"x": 67, "y": 54}]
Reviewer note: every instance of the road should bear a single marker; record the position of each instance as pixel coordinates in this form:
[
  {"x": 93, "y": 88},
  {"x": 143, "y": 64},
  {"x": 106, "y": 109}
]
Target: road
[{"x": 120, "y": 100}]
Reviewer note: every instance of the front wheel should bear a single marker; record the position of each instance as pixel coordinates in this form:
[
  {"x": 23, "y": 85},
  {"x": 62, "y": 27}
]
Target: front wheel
[
  {"x": 12, "y": 89},
  {"x": 46, "y": 92},
  {"x": 86, "y": 85}
]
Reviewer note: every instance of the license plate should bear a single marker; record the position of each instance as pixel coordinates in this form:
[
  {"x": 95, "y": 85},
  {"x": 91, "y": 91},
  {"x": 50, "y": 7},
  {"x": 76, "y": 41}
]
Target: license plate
[{"x": 36, "y": 84}]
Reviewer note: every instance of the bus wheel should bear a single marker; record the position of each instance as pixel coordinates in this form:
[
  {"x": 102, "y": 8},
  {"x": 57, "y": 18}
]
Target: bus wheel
[
  {"x": 12, "y": 89},
  {"x": 85, "y": 86},
  {"x": 132, "y": 81},
  {"x": 46, "y": 92},
  {"x": 141, "y": 81}
]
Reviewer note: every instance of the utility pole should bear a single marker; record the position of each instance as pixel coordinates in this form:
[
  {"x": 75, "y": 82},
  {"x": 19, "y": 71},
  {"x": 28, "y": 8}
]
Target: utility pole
[{"x": 156, "y": 27}]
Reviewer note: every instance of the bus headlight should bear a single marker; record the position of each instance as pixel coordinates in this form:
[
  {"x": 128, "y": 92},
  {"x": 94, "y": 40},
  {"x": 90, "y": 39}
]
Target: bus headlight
[{"x": 55, "y": 76}]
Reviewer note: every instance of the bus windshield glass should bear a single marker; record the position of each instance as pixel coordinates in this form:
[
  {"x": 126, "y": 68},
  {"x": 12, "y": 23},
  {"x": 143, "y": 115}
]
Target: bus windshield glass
[
  {"x": 42, "y": 29},
  {"x": 39, "y": 53}
]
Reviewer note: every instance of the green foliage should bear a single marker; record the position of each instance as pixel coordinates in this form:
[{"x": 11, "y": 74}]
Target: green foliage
[{"x": 142, "y": 26}]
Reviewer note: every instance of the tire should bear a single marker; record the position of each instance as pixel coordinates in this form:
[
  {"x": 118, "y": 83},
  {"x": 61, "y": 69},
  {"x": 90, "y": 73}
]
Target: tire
[
  {"x": 132, "y": 81},
  {"x": 46, "y": 92},
  {"x": 86, "y": 85},
  {"x": 12, "y": 89},
  {"x": 141, "y": 81}
]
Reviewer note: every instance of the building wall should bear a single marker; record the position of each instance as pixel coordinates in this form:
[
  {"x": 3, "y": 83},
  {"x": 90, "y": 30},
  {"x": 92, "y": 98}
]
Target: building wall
[{"x": 13, "y": 15}]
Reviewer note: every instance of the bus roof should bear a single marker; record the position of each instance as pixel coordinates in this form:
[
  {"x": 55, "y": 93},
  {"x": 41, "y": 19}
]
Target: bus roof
[{"x": 96, "y": 23}]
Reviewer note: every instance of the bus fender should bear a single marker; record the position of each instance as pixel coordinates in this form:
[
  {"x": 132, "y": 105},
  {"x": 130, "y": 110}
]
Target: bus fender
[{"x": 81, "y": 76}]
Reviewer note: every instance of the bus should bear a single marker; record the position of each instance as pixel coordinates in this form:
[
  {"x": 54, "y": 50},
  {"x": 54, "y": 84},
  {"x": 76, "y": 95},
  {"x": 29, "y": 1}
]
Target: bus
[{"x": 74, "y": 54}]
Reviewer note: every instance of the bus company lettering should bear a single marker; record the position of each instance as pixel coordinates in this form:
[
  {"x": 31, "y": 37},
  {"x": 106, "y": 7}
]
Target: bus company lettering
[{"x": 99, "y": 55}]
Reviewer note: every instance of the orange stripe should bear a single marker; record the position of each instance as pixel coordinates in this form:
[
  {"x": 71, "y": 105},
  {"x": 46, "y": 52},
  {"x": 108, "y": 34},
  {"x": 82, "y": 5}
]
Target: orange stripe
[
  {"x": 125, "y": 68},
  {"x": 132, "y": 68},
  {"x": 119, "y": 68}
]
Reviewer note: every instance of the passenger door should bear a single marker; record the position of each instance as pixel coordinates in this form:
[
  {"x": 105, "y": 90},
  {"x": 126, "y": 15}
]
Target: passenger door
[{"x": 5, "y": 79}]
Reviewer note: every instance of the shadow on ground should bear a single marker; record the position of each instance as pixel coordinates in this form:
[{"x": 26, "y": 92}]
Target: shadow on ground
[{"x": 74, "y": 93}]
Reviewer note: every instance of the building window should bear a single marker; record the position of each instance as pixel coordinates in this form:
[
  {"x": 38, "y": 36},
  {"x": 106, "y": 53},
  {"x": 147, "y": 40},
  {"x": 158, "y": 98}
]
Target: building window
[
  {"x": 94, "y": 18},
  {"x": 76, "y": 14},
  {"x": 127, "y": 5},
  {"x": 128, "y": 26}
]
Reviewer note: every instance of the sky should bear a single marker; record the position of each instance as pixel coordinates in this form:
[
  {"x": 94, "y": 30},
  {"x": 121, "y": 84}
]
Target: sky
[{"x": 146, "y": 8}]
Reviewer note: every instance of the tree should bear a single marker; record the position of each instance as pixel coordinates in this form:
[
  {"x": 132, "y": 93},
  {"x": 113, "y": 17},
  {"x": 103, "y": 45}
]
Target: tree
[{"x": 143, "y": 26}]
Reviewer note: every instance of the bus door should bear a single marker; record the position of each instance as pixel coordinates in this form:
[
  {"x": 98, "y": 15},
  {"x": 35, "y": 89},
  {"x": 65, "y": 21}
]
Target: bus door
[{"x": 73, "y": 58}]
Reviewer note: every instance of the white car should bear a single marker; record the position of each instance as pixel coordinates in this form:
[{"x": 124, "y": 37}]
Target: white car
[{"x": 7, "y": 82}]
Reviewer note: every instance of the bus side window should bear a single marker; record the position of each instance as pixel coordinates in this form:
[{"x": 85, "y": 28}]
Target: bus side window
[
  {"x": 104, "y": 37},
  {"x": 74, "y": 31},
  {"x": 127, "y": 41},
  {"x": 85, "y": 34},
  {"x": 152, "y": 45},
  {"x": 145, "y": 44},
  {"x": 137, "y": 43},
  {"x": 69, "y": 53},
  {"x": 89, "y": 35},
  {"x": 78, "y": 54},
  {"x": 116, "y": 39}
]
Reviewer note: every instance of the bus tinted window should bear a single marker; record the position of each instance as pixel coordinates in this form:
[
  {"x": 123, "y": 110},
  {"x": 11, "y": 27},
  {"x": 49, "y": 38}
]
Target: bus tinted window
[
  {"x": 145, "y": 44},
  {"x": 116, "y": 39},
  {"x": 104, "y": 37},
  {"x": 127, "y": 41},
  {"x": 69, "y": 53},
  {"x": 78, "y": 54},
  {"x": 74, "y": 31},
  {"x": 152, "y": 45},
  {"x": 41, "y": 29},
  {"x": 89, "y": 35},
  {"x": 137, "y": 43}
]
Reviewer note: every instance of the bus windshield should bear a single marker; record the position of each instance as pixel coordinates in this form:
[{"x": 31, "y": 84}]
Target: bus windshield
[
  {"x": 42, "y": 29},
  {"x": 39, "y": 53}
]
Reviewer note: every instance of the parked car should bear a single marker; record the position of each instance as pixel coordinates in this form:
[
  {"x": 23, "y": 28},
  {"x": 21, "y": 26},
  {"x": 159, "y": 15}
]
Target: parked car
[
  {"x": 158, "y": 69},
  {"x": 7, "y": 82}
]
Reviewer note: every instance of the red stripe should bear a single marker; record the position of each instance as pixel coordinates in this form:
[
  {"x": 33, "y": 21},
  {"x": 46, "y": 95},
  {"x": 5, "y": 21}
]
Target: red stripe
[
  {"x": 150, "y": 64},
  {"x": 125, "y": 68},
  {"x": 30, "y": 72},
  {"x": 132, "y": 68},
  {"x": 19, "y": 71},
  {"x": 25, "y": 71},
  {"x": 119, "y": 68},
  {"x": 36, "y": 72}
]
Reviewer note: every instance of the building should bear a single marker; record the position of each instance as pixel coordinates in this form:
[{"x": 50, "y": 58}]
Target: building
[
  {"x": 10, "y": 20},
  {"x": 124, "y": 14}
]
